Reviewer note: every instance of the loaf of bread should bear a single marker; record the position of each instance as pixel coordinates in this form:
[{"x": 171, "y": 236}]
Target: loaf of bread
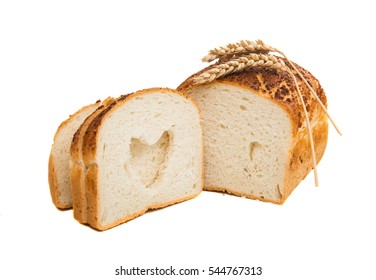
[
  {"x": 58, "y": 166},
  {"x": 143, "y": 151},
  {"x": 255, "y": 136}
]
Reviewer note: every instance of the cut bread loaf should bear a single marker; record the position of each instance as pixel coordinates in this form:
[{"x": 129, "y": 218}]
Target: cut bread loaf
[
  {"x": 144, "y": 151},
  {"x": 254, "y": 133},
  {"x": 58, "y": 166}
]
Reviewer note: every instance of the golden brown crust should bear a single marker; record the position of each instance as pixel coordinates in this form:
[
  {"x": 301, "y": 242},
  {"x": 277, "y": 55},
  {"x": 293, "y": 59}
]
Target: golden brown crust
[
  {"x": 300, "y": 158},
  {"x": 77, "y": 167},
  {"x": 224, "y": 189},
  {"x": 137, "y": 214},
  {"x": 91, "y": 183},
  {"x": 89, "y": 148},
  {"x": 279, "y": 87}
]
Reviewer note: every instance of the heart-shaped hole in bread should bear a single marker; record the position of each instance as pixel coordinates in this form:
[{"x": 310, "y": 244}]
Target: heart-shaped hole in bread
[{"x": 148, "y": 161}]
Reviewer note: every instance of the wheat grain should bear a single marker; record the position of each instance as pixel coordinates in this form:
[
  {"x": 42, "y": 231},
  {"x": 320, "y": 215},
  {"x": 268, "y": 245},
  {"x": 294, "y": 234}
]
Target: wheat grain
[
  {"x": 242, "y": 47},
  {"x": 238, "y": 63}
]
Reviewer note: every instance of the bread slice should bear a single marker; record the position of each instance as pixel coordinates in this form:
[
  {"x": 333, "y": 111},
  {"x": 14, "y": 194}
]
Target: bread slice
[
  {"x": 142, "y": 152},
  {"x": 77, "y": 167},
  {"x": 255, "y": 139},
  {"x": 58, "y": 165}
]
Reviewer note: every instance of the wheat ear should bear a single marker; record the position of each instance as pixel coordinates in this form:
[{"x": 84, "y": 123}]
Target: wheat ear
[
  {"x": 239, "y": 63},
  {"x": 242, "y": 47}
]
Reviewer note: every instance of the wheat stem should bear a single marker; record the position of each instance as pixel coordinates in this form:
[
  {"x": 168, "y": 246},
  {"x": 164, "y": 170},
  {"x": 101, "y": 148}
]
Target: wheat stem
[
  {"x": 313, "y": 93},
  {"x": 314, "y": 161},
  {"x": 265, "y": 46}
]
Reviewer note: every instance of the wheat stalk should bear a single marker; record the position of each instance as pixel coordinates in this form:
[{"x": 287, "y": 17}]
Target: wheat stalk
[
  {"x": 265, "y": 46},
  {"x": 310, "y": 134},
  {"x": 314, "y": 94}
]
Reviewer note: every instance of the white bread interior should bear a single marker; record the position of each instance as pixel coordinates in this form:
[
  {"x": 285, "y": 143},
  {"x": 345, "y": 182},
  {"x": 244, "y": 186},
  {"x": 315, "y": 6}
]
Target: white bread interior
[
  {"x": 148, "y": 154},
  {"x": 246, "y": 138},
  {"x": 58, "y": 168}
]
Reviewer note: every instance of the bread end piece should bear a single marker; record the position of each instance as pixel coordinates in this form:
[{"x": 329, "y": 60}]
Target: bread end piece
[{"x": 58, "y": 164}]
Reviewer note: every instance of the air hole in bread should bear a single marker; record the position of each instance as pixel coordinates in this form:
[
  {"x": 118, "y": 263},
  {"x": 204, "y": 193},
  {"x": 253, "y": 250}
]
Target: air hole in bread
[
  {"x": 148, "y": 161},
  {"x": 243, "y": 107},
  {"x": 254, "y": 148}
]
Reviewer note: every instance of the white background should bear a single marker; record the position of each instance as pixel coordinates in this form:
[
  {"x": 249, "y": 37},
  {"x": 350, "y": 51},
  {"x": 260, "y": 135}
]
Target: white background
[{"x": 56, "y": 56}]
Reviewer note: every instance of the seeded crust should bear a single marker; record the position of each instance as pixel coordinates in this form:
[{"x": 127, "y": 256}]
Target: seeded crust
[
  {"x": 89, "y": 147},
  {"x": 278, "y": 86}
]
